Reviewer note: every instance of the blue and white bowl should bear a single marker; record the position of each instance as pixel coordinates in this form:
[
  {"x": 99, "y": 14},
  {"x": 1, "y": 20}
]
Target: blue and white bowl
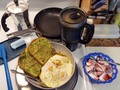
[{"x": 95, "y": 57}]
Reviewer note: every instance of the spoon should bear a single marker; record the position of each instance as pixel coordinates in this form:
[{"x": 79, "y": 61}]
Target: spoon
[
  {"x": 22, "y": 32},
  {"x": 98, "y": 59},
  {"x": 113, "y": 63},
  {"x": 30, "y": 77}
]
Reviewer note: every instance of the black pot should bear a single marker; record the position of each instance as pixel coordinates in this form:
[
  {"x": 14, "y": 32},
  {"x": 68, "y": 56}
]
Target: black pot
[{"x": 74, "y": 27}]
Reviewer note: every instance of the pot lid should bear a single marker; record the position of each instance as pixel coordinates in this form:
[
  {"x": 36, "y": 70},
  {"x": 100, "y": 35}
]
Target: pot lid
[
  {"x": 73, "y": 15},
  {"x": 21, "y": 7}
]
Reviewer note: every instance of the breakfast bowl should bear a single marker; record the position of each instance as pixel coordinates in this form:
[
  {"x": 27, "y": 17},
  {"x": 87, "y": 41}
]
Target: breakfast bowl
[
  {"x": 55, "y": 72},
  {"x": 98, "y": 68}
]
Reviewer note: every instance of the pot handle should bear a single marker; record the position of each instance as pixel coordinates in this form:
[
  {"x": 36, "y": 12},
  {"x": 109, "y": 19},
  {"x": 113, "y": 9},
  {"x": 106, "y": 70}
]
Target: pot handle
[
  {"x": 87, "y": 33},
  {"x": 3, "y": 21}
]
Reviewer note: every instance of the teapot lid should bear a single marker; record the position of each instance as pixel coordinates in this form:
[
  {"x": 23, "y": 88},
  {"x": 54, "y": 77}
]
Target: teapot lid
[
  {"x": 21, "y": 7},
  {"x": 73, "y": 15}
]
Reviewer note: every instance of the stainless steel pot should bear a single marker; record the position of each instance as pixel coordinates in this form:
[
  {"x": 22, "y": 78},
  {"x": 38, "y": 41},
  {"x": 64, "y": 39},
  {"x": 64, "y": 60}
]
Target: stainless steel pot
[{"x": 19, "y": 14}]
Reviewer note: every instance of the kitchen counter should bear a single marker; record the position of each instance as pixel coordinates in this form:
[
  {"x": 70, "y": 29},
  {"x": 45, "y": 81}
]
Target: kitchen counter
[
  {"x": 113, "y": 42},
  {"x": 83, "y": 82}
]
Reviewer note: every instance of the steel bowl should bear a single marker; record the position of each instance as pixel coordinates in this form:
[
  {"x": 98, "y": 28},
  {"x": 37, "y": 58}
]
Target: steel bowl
[{"x": 59, "y": 48}]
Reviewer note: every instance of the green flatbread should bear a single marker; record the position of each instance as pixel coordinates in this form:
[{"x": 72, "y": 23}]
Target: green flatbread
[
  {"x": 28, "y": 64},
  {"x": 41, "y": 49}
]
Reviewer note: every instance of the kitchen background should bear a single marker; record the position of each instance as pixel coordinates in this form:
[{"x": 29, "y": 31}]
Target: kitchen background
[{"x": 37, "y": 5}]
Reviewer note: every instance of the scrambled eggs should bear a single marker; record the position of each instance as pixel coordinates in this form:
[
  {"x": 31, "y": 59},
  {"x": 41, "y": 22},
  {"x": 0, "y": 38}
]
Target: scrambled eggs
[{"x": 56, "y": 71}]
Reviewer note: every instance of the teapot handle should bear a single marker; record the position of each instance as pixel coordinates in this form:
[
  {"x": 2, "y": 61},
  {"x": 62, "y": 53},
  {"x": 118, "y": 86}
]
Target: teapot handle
[
  {"x": 87, "y": 33},
  {"x": 3, "y": 21}
]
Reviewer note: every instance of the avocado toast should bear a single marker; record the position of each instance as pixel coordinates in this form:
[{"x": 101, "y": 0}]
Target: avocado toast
[
  {"x": 41, "y": 49},
  {"x": 28, "y": 64},
  {"x": 35, "y": 56}
]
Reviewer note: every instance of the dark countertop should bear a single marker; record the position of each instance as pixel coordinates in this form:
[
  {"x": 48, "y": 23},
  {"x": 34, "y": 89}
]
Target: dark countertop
[{"x": 105, "y": 42}]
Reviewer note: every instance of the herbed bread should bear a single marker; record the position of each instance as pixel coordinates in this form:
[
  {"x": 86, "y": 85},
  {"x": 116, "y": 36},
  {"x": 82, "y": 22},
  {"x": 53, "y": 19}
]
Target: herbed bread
[
  {"x": 28, "y": 64},
  {"x": 41, "y": 49},
  {"x": 35, "y": 56}
]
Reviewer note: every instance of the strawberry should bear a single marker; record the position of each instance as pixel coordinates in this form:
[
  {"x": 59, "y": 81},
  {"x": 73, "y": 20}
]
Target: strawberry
[{"x": 107, "y": 77}]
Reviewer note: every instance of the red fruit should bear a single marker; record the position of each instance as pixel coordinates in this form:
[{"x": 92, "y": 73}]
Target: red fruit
[{"x": 107, "y": 77}]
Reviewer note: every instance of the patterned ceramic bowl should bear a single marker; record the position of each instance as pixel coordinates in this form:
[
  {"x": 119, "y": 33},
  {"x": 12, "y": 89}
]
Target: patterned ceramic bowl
[{"x": 98, "y": 69}]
